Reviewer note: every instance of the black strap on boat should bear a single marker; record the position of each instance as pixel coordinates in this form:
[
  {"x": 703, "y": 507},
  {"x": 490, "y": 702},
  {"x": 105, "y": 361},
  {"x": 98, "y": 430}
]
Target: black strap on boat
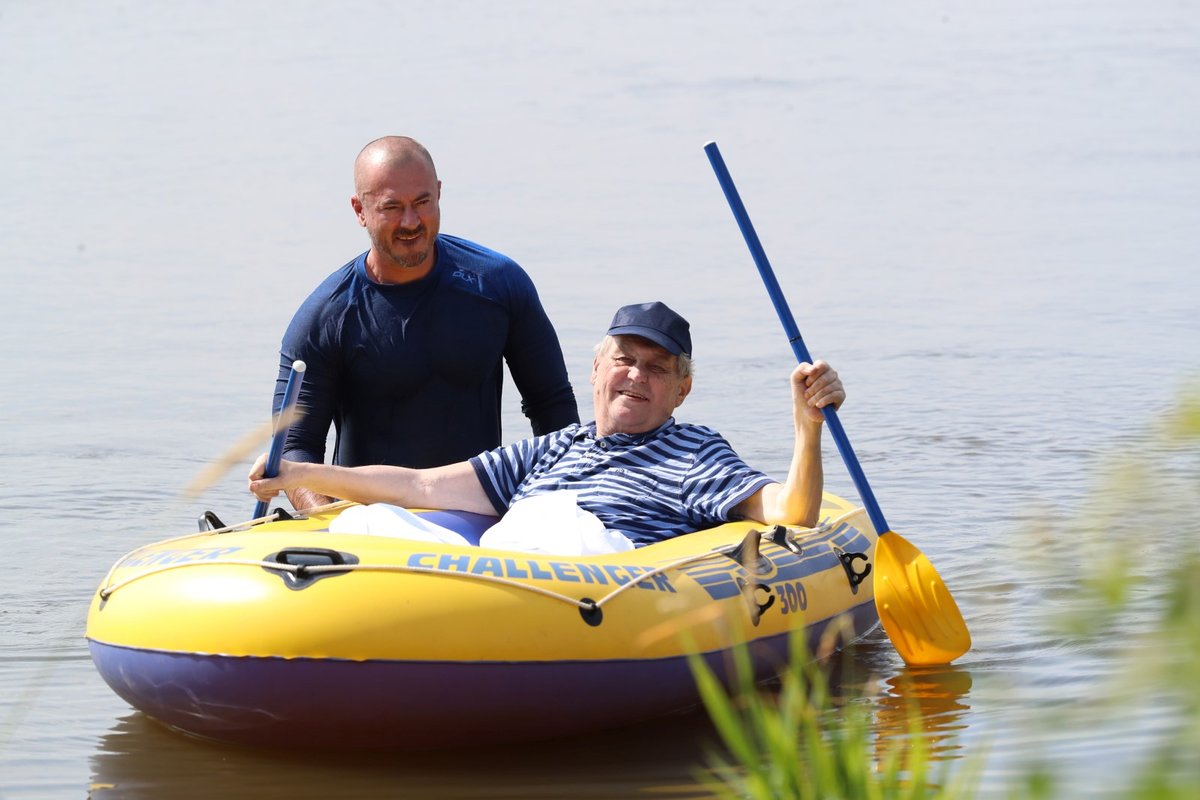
[
  {"x": 210, "y": 522},
  {"x": 781, "y": 537},
  {"x": 750, "y": 593},
  {"x": 747, "y": 554},
  {"x": 853, "y": 575}
]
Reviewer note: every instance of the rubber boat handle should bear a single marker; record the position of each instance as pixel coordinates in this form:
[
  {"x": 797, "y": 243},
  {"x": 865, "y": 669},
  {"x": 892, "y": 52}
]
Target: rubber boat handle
[
  {"x": 793, "y": 333},
  {"x": 275, "y": 454}
]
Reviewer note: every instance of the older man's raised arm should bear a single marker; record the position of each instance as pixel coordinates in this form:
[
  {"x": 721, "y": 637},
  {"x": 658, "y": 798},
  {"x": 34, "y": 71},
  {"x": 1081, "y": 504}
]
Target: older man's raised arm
[{"x": 797, "y": 501}]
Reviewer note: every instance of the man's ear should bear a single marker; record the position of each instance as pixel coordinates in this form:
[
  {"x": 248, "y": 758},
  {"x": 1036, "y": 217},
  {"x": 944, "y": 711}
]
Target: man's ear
[{"x": 685, "y": 388}]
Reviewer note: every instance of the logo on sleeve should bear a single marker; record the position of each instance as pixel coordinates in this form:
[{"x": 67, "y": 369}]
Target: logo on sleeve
[{"x": 468, "y": 277}]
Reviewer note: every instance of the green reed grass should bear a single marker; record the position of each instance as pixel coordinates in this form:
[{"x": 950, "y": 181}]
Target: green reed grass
[{"x": 795, "y": 743}]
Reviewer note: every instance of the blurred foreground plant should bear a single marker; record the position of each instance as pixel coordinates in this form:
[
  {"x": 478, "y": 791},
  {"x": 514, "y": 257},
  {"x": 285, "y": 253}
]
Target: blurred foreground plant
[
  {"x": 794, "y": 743},
  {"x": 1131, "y": 559}
]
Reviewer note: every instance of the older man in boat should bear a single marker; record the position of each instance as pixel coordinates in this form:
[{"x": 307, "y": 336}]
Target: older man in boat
[{"x": 641, "y": 473}]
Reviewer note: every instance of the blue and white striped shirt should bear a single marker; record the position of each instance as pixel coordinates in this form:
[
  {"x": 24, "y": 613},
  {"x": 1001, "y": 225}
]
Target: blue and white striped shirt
[{"x": 649, "y": 486}]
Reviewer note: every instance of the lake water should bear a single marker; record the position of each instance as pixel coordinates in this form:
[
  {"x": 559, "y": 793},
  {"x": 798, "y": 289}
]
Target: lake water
[{"x": 985, "y": 217}]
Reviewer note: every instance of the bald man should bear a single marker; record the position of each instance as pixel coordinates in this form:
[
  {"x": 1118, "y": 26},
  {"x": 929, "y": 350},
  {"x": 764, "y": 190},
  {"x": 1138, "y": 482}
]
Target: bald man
[{"x": 405, "y": 344}]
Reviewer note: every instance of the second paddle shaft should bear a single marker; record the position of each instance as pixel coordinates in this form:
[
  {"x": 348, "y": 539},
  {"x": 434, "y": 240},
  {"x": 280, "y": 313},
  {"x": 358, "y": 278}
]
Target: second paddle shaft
[{"x": 275, "y": 455}]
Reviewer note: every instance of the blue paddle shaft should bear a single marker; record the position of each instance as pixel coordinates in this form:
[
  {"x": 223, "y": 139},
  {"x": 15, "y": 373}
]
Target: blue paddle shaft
[
  {"x": 793, "y": 333},
  {"x": 275, "y": 454}
]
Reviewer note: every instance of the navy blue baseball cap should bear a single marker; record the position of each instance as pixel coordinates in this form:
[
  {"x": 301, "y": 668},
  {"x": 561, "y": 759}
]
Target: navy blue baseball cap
[{"x": 656, "y": 322}]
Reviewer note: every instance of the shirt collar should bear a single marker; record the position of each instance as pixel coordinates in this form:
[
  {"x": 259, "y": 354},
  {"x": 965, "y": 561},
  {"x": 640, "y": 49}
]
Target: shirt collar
[{"x": 588, "y": 431}]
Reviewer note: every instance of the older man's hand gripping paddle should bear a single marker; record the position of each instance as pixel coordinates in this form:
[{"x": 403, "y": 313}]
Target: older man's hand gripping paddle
[{"x": 916, "y": 609}]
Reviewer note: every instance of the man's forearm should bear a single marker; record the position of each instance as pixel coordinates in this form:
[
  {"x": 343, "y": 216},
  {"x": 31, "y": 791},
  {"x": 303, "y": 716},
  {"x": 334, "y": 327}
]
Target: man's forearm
[
  {"x": 799, "y": 499},
  {"x": 302, "y": 499}
]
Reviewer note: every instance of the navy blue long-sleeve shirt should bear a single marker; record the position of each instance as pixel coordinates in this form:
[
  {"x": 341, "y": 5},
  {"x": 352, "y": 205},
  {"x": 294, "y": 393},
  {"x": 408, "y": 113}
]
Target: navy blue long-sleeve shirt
[{"x": 411, "y": 374}]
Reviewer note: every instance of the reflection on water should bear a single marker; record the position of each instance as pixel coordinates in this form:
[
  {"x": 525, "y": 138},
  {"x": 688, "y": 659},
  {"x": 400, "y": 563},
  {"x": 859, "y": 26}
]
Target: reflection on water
[
  {"x": 928, "y": 702},
  {"x": 139, "y": 758},
  {"x": 931, "y": 703}
]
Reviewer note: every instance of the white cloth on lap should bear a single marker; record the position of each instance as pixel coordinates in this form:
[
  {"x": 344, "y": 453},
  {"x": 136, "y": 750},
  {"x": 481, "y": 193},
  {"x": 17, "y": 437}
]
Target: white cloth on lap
[
  {"x": 550, "y": 524},
  {"x": 382, "y": 519},
  {"x": 553, "y": 524}
]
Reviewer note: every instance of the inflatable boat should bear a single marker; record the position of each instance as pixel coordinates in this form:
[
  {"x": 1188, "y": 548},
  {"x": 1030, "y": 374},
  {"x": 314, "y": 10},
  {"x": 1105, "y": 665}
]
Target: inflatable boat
[{"x": 277, "y": 632}]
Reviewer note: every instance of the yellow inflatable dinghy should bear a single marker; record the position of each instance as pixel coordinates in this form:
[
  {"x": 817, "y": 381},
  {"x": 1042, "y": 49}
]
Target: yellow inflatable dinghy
[{"x": 282, "y": 633}]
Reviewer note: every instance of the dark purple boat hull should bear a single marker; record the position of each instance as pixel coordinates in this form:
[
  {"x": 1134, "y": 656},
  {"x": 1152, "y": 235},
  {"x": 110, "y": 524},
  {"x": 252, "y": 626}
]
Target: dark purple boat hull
[{"x": 410, "y": 704}]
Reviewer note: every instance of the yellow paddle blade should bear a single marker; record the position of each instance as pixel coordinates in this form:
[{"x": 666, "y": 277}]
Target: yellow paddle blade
[{"x": 916, "y": 609}]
